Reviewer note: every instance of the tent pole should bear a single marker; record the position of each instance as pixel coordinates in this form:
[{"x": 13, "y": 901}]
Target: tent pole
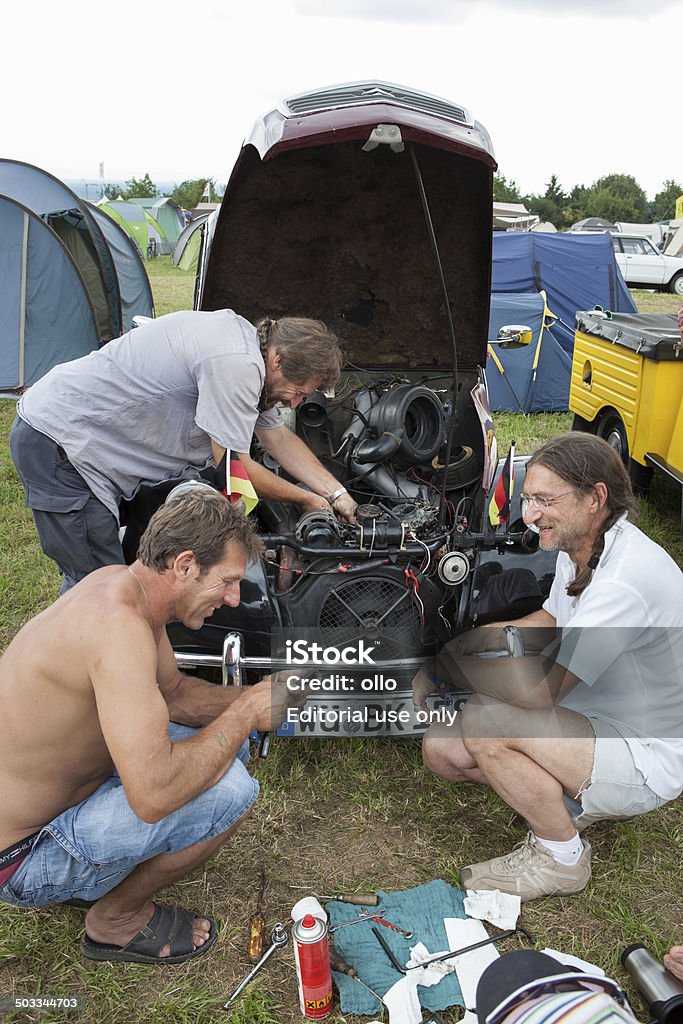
[
  {"x": 22, "y": 302},
  {"x": 505, "y": 377}
]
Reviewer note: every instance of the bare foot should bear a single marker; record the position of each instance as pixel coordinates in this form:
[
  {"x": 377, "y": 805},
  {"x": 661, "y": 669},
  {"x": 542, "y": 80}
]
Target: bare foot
[
  {"x": 121, "y": 931},
  {"x": 673, "y": 961}
]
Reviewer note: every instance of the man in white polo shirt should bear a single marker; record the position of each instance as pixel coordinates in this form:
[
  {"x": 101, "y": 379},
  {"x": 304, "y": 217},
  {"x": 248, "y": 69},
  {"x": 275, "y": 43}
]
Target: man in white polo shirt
[{"x": 588, "y": 724}]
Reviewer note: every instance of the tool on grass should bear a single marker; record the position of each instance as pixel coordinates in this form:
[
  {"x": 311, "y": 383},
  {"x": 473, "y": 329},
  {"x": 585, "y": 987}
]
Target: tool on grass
[
  {"x": 257, "y": 924},
  {"x": 369, "y": 900},
  {"x": 451, "y": 952},
  {"x": 363, "y": 915},
  {"x": 277, "y": 939},
  {"x": 337, "y": 963},
  {"x": 394, "y": 927}
]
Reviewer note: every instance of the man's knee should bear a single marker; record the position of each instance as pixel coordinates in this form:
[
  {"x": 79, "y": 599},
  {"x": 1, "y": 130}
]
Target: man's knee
[
  {"x": 231, "y": 797},
  {"x": 444, "y": 754}
]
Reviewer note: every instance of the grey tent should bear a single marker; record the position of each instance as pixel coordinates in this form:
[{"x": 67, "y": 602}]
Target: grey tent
[
  {"x": 168, "y": 215},
  {"x": 594, "y": 224},
  {"x": 46, "y": 316},
  {"x": 71, "y": 219},
  {"x": 136, "y": 293},
  {"x": 186, "y": 252}
]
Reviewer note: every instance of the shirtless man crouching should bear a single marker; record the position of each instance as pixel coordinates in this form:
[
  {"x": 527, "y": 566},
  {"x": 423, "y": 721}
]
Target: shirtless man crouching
[{"x": 105, "y": 798}]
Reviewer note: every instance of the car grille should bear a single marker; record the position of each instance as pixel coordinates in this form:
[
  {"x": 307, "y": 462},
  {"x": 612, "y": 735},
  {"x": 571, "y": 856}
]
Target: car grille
[{"x": 362, "y": 93}]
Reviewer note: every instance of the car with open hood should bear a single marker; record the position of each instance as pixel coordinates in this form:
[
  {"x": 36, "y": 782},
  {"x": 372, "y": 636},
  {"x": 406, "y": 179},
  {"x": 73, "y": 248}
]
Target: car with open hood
[{"x": 369, "y": 206}]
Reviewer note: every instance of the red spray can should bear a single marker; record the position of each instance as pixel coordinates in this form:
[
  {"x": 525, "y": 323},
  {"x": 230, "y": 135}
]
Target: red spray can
[{"x": 312, "y": 955}]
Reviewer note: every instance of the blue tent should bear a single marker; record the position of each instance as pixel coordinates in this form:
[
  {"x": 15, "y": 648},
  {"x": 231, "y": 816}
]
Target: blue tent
[
  {"x": 136, "y": 292},
  {"x": 575, "y": 271},
  {"x": 533, "y": 378},
  {"x": 46, "y": 315},
  {"x": 72, "y": 220}
]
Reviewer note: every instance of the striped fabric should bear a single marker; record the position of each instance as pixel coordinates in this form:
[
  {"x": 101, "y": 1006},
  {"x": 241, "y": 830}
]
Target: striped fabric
[{"x": 578, "y": 1007}]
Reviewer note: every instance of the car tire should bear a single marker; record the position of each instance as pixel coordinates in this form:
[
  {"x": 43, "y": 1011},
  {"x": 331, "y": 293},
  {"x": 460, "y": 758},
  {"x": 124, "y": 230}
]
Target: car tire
[
  {"x": 583, "y": 425},
  {"x": 676, "y": 284},
  {"x": 611, "y": 428},
  {"x": 641, "y": 476}
]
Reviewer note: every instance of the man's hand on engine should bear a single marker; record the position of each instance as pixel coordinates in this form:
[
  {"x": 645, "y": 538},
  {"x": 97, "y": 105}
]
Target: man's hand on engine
[{"x": 438, "y": 675}]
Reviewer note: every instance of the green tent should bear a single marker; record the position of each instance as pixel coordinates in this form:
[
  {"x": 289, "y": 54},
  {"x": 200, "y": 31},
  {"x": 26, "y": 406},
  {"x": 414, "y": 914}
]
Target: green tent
[
  {"x": 140, "y": 225},
  {"x": 168, "y": 214}
]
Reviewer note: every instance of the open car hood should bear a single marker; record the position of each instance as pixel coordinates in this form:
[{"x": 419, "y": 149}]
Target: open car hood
[{"x": 323, "y": 218}]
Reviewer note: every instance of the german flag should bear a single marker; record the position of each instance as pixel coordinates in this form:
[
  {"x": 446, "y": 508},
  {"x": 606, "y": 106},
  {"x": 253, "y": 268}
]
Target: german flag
[
  {"x": 238, "y": 486},
  {"x": 499, "y": 506}
]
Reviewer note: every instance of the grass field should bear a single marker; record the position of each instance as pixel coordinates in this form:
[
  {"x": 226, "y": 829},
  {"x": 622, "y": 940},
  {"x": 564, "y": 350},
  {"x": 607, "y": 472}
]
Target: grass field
[{"x": 345, "y": 815}]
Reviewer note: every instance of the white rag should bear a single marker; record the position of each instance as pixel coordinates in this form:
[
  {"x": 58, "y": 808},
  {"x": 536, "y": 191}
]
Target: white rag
[
  {"x": 402, "y": 999},
  {"x": 499, "y": 908},
  {"x": 469, "y": 967}
]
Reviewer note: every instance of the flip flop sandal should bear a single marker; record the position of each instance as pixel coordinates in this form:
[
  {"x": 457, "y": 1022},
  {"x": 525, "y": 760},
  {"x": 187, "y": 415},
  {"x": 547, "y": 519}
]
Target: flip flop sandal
[{"x": 169, "y": 926}]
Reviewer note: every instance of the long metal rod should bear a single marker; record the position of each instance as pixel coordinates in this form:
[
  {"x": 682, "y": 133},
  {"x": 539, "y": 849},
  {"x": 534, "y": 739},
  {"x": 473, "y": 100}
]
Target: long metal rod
[
  {"x": 451, "y": 329},
  {"x": 189, "y": 659}
]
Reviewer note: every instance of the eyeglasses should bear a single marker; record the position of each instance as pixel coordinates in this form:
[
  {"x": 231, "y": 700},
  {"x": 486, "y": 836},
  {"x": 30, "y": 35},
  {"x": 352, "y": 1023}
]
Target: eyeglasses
[{"x": 539, "y": 501}]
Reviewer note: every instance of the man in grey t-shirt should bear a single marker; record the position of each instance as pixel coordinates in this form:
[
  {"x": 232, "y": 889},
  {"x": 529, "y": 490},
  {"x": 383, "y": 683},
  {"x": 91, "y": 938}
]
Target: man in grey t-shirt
[{"x": 168, "y": 398}]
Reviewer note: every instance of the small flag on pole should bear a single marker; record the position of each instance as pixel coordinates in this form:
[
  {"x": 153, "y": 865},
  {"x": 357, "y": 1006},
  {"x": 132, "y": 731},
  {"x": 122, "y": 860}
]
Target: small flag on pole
[
  {"x": 499, "y": 506},
  {"x": 238, "y": 486}
]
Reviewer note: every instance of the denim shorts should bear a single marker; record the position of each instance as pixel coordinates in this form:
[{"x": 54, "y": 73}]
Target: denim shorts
[
  {"x": 616, "y": 788},
  {"x": 89, "y": 849}
]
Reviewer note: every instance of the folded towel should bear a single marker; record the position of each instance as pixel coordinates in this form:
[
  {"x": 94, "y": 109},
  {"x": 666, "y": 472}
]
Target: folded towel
[{"x": 420, "y": 910}]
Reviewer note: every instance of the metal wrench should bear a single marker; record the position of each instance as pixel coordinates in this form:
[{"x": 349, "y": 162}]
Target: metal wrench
[
  {"x": 394, "y": 927},
  {"x": 277, "y": 939},
  {"x": 363, "y": 915}
]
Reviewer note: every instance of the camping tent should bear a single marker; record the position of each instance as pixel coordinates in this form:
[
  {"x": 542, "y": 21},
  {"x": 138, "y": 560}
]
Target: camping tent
[
  {"x": 655, "y": 232},
  {"x": 594, "y": 224},
  {"x": 72, "y": 220},
  {"x": 139, "y": 224},
  {"x": 46, "y": 316},
  {"x": 136, "y": 293},
  {"x": 167, "y": 214},
  {"x": 187, "y": 247},
  {"x": 536, "y": 376},
  {"x": 575, "y": 272},
  {"x": 673, "y": 240}
]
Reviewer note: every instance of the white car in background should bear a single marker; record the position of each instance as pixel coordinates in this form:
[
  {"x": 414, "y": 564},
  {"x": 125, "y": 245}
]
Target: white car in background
[{"x": 643, "y": 266}]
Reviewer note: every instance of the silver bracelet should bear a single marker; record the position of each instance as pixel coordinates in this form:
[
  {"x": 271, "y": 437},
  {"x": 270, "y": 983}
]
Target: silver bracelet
[{"x": 331, "y": 498}]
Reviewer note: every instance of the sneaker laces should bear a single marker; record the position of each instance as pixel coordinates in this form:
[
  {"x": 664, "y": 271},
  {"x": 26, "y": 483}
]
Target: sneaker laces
[{"x": 516, "y": 858}]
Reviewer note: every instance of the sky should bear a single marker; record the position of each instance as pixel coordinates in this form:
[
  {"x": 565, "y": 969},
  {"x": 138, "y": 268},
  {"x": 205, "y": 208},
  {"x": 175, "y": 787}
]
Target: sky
[{"x": 575, "y": 88}]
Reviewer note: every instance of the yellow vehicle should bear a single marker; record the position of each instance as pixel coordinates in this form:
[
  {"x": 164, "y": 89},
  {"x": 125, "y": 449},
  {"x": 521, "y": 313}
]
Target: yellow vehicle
[{"x": 627, "y": 386}]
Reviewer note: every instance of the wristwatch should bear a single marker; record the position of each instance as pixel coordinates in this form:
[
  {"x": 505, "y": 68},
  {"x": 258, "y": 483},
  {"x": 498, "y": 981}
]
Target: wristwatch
[{"x": 331, "y": 498}]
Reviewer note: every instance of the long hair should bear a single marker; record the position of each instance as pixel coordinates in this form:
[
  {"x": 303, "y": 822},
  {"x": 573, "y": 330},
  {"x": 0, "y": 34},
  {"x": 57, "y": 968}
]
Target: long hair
[
  {"x": 307, "y": 349},
  {"x": 584, "y": 460}
]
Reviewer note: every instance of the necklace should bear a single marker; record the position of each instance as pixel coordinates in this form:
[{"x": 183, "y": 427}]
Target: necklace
[{"x": 142, "y": 588}]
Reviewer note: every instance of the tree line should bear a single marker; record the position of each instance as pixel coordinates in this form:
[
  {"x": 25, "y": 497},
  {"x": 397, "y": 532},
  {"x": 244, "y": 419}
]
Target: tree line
[
  {"x": 616, "y": 197},
  {"x": 187, "y": 194}
]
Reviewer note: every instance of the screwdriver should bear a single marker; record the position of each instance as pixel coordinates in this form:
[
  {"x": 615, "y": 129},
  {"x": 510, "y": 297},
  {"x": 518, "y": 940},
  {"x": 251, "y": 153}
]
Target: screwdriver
[
  {"x": 257, "y": 924},
  {"x": 369, "y": 900},
  {"x": 337, "y": 963}
]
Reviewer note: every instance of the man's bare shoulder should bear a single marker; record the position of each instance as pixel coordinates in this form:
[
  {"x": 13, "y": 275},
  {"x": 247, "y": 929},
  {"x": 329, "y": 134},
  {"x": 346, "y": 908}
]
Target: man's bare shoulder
[{"x": 65, "y": 639}]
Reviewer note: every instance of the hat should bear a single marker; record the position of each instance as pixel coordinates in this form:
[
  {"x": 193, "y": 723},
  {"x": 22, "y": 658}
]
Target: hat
[
  {"x": 511, "y": 972},
  {"x": 514, "y": 978}
]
